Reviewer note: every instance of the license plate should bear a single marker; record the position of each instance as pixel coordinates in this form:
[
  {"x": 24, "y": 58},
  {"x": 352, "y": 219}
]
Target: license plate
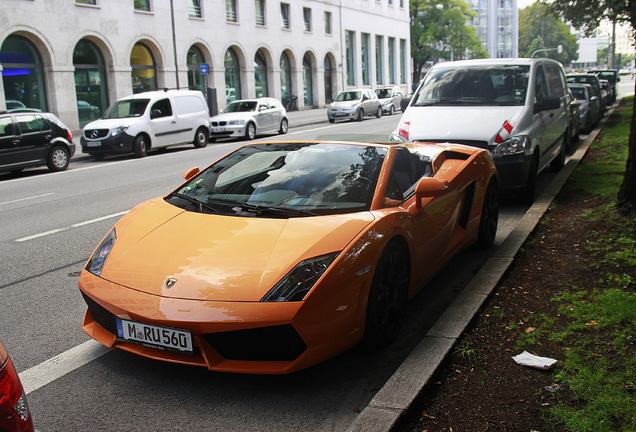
[
  {"x": 93, "y": 143},
  {"x": 155, "y": 336},
  {"x": 339, "y": 114},
  {"x": 218, "y": 130}
]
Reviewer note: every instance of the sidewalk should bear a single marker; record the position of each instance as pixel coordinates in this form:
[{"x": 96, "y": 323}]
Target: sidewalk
[{"x": 296, "y": 119}]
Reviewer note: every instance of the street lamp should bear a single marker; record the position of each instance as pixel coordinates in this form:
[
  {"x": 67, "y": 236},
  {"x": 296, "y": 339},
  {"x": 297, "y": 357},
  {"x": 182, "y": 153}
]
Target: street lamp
[{"x": 558, "y": 49}]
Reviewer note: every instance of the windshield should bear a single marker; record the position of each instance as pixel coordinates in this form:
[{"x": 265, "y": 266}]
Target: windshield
[
  {"x": 474, "y": 85},
  {"x": 348, "y": 96},
  {"x": 240, "y": 106},
  {"x": 286, "y": 180},
  {"x": 126, "y": 108},
  {"x": 578, "y": 92}
]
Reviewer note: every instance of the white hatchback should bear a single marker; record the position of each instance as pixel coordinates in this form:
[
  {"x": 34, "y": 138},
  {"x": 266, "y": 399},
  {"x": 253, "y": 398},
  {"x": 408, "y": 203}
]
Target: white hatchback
[{"x": 246, "y": 118}]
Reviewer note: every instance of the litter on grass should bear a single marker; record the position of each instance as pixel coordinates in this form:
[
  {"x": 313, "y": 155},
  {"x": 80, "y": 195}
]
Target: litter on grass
[{"x": 531, "y": 360}]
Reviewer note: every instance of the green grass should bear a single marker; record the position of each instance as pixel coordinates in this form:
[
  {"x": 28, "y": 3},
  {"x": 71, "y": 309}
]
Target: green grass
[{"x": 599, "y": 334}]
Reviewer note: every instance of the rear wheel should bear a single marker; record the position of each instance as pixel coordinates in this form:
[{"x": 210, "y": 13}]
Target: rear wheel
[
  {"x": 489, "y": 217},
  {"x": 386, "y": 307},
  {"x": 58, "y": 158},
  {"x": 140, "y": 146},
  {"x": 201, "y": 138},
  {"x": 391, "y": 110},
  {"x": 284, "y": 126},
  {"x": 378, "y": 113},
  {"x": 250, "y": 131}
]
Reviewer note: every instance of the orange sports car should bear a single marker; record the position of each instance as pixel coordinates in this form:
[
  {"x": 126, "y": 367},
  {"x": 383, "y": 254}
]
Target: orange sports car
[{"x": 284, "y": 254}]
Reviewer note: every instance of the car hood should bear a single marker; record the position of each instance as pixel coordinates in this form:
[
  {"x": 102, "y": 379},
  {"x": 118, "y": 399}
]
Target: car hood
[
  {"x": 218, "y": 258},
  {"x": 459, "y": 122},
  {"x": 110, "y": 123},
  {"x": 233, "y": 116}
]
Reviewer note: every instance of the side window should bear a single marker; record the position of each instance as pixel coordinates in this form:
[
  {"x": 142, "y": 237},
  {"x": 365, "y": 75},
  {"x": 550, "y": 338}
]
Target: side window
[
  {"x": 164, "y": 107},
  {"x": 29, "y": 123},
  {"x": 556, "y": 86},
  {"x": 540, "y": 86},
  {"x": 408, "y": 168},
  {"x": 6, "y": 126}
]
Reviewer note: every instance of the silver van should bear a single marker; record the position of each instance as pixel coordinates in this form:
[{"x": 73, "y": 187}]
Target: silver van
[
  {"x": 516, "y": 108},
  {"x": 153, "y": 119}
]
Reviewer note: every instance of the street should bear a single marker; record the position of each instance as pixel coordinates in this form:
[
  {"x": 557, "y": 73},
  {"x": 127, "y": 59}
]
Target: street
[{"x": 52, "y": 223}]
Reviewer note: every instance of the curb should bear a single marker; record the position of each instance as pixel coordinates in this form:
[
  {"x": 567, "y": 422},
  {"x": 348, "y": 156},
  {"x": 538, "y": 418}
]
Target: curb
[{"x": 400, "y": 391}]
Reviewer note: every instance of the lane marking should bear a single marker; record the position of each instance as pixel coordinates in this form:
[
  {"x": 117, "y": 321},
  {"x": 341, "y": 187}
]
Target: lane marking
[
  {"x": 76, "y": 225},
  {"x": 54, "y": 368},
  {"x": 28, "y": 198}
]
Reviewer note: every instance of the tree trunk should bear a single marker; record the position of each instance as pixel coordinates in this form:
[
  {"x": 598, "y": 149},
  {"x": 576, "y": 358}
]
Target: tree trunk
[{"x": 627, "y": 193}]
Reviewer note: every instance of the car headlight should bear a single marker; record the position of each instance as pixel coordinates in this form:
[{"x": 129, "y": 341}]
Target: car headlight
[
  {"x": 299, "y": 281},
  {"x": 236, "y": 122},
  {"x": 118, "y": 130},
  {"x": 96, "y": 263},
  {"x": 511, "y": 146}
]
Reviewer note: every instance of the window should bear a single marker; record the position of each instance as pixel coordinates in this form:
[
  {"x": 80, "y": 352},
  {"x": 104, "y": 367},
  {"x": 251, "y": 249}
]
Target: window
[
  {"x": 366, "y": 64},
  {"x": 392, "y": 60},
  {"x": 90, "y": 81},
  {"x": 90, "y": 2},
  {"x": 194, "y": 9},
  {"x": 196, "y": 80},
  {"x": 308, "y": 83},
  {"x": 403, "y": 61},
  {"x": 143, "y": 5},
  {"x": 144, "y": 73},
  {"x": 327, "y": 22},
  {"x": 284, "y": 16},
  {"x": 285, "y": 78},
  {"x": 379, "y": 60},
  {"x": 230, "y": 11},
  {"x": 260, "y": 75},
  {"x": 23, "y": 74},
  {"x": 349, "y": 42},
  {"x": 259, "y": 6},
  {"x": 307, "y": 19},
  {"x": 232, "y": 76}
]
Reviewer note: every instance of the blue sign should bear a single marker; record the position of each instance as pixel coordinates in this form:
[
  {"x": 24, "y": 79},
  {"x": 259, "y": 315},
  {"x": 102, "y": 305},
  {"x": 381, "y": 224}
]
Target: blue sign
[{"x": 203, "y": 67}]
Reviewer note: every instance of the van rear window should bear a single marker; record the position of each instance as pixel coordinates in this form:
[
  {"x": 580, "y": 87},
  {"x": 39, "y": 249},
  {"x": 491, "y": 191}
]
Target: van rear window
[{"x": 475, "y": 85}]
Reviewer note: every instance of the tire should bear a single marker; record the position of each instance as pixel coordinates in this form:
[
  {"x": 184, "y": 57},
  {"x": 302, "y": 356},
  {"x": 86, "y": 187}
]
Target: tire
[
  {"x": 58, "y": 158},
  {"x": 386, "y": 307},
  {"x": 378, "y": 113},
  {"x": 530, "y": 189},
  {"x": 489, "y": 217},
  {"x": 284, "y": 126},
  {"x": 201, "y": 138},
  {"x": 98, "y": 156},
  {"x": 140, "y": 146},
  {"x": 391, "y": 110},
  {"x": 559, "y": 161},
  {"x": 331, "y": 120},
  {"x": 250, "y": 131},
  {"x": 360, "y": 115}
]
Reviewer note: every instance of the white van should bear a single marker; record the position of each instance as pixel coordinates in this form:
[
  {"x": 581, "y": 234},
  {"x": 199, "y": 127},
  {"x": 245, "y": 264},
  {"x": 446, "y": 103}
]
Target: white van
[
  {"x": 516, "y": 108},
  {"x": 153, "y": 119}
]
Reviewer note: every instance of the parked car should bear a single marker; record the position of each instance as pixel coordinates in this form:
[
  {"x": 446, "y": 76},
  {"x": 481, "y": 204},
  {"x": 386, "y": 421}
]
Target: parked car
[
  {"x": 590, "y": 106},
  {"x": 575, "y": 120},
  {"x": 247, "y": 118},
  {"x": 516, "y": 108},
  {"x": 390, "y": 98},
  {"x": 15, "y": 415},
  {"x": 33, "y": 139},
  {"x": 592, "y": 80},
  {"x": 610, "y": 75},
  {"x": 87, "y": 111},
  {"x": 149, "y": 120},
  {"x": 354, "y": 105},
  {"x": 606, "y": 90},
  {"x": 282, "y": 255}
]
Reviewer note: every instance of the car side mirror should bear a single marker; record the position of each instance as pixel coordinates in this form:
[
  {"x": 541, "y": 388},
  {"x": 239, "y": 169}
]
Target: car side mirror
[
  {"x": 547, "y": 103},
  {"x": 155, "y": 113},
  {"x": 191, "y": 173},
  {"x": 405, "y": 103},
  {"x": 429, "y": 187}
]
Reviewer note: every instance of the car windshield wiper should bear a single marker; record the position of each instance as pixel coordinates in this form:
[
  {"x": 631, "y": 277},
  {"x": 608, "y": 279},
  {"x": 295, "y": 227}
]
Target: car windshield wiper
[
  {"x": 195, "y": 201},
  {"x": 275, "y": 210}
]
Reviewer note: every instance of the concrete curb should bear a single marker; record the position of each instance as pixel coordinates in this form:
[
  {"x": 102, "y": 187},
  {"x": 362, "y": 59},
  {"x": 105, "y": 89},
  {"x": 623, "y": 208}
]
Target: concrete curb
[{"x": 399, "y": 392}]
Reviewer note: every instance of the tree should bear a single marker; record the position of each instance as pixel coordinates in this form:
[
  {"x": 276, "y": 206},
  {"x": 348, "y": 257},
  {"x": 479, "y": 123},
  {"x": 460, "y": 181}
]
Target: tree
[
  {"x": 586, "y": 16},
  {"x": 440, "y": 28},
  {"x": 539, "y": 21}
]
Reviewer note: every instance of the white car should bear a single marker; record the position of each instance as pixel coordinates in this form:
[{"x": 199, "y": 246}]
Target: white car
[
  {"x": 354, "y": 105},
  {"x": 246, "y": 118}
]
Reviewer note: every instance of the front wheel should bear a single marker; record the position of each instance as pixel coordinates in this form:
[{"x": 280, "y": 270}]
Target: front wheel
[
  {"x": 392, "y": 110},
  {"x": 58, "y": 159},
  {"x": 360, "y": 115},
  {"x": 559, "y": 161},
  {"x": 250, "y": 131},
  {"x": 489, "y": 217},
  {"x": 201, "y": 138},
  {"x": 386, "y": 307},
  {"x": 378, "y": 113},
  {"x": 529, "y": 191},
  {"x": 140, "y": 146},
  {"x": 284, "y": 126}
]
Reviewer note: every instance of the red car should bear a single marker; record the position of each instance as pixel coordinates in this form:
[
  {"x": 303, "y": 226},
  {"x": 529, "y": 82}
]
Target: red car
[{"x": 14, "y": 410}]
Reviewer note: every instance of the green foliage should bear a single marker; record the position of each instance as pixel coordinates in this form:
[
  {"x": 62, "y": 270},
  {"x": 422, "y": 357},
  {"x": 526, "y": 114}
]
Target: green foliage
[{"x": 540, "y": 27}]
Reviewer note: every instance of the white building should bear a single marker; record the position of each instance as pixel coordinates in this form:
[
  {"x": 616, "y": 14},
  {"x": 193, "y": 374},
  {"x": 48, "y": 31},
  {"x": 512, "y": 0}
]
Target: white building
[
  {"x": 75, "y": 57},
  {"x": 497, "y": 24}
]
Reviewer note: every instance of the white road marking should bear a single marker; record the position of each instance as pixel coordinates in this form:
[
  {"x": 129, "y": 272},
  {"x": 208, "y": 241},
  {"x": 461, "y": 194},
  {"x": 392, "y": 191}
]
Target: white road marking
[
  {"x": 77, "y": 225},
  {"x": 27, "y": 198},
  {"x": 60, "y": 365}
]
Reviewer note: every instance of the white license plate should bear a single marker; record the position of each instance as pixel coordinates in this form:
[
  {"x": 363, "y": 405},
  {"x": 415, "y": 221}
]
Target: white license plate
[
  {"x": 339, "y": 114},
  {"x": 155, "y": 336},
  {"x": 93, "y": 143},
  {"x": 217, "y": 130}
]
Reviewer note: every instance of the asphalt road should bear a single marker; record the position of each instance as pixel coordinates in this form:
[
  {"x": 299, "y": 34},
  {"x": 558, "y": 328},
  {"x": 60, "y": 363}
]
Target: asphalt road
[{"x": 51, "y": 224}]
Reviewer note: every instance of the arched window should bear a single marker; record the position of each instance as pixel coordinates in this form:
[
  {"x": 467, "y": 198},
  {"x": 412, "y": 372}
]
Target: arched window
[
  {"x": 307, "y": 81},
  {"x": 90, "y": 81},
  {"x": 328, "y": 80},
  {"x": 196, "y": 79},
  {"x": 285, "y": 78},
  {"x": 260, "y": 75},
  {"x": 22, "y": 74},
  {"x": 232, "y": 76},
  {"x": 144, "y": 73}
]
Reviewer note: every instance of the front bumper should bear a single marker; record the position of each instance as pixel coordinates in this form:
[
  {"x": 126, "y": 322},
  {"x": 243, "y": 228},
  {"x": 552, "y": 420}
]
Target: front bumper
[
  {"x": 513, "y": 171},
  {"x": 341, "y": 114},
  {"x": 228, "y": 131},
  {"x": 122, "y": 143}
]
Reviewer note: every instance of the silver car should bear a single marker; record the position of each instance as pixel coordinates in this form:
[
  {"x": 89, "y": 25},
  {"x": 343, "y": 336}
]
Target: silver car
[
  {"x": 246, "y": 118},
  {"x": 390, "y": 98},
  {"x": 354, "y": 105},
  {"x": 590, "y": 106}
]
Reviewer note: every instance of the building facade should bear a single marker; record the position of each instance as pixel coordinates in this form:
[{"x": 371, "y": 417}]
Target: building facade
[
  {"x": 497, "y": 24},
  {"x": 75, "y": 57}
]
